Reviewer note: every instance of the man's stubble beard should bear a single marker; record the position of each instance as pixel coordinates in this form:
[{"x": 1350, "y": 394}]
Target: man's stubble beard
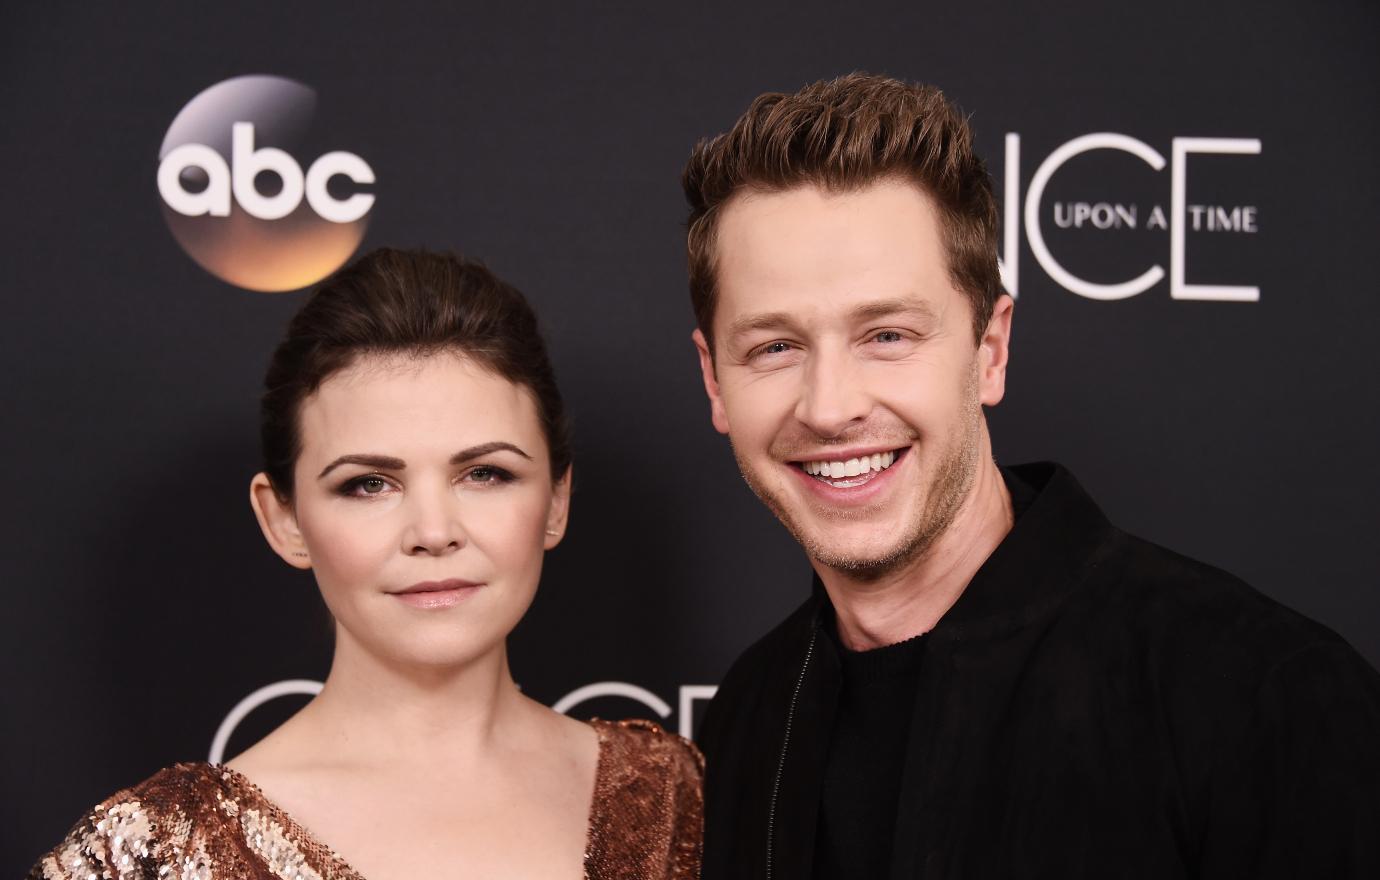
[{"x": 952, "y": 482}]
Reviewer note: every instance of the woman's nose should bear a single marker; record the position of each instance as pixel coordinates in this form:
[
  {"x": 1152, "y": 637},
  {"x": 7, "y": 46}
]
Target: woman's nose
[{"x": 433, "y": 527}]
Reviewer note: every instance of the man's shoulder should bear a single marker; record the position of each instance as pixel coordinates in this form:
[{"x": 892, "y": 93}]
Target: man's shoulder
[
  {"x": 783, "y": 646},
  {"x": 1163, "y": 586},
  {"x": 754, "y": 682},
  {"x": 1139, "y": 591},
  {"x": 1199, "y": 630}
]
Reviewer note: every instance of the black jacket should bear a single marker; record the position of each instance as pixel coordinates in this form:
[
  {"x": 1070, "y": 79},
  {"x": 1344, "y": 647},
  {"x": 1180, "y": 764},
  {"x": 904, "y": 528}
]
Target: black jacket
[{"x": 1092, "y": 706}]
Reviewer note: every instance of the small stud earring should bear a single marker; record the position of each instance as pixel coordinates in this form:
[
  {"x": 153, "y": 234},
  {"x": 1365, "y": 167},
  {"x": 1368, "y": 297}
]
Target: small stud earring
[{"x": 552, "y": 532}]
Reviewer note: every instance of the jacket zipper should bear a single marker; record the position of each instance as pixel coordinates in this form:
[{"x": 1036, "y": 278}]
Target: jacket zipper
[{"x": 785, "y": 744}]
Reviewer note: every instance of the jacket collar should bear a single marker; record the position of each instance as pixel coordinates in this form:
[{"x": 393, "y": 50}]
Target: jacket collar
[
  {"x": 1055, "y": 542},
  {"x": 1052, "y": 546}
]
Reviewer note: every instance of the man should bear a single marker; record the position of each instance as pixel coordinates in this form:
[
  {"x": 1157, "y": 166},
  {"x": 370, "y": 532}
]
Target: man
[{"x": 989, "y": 680}]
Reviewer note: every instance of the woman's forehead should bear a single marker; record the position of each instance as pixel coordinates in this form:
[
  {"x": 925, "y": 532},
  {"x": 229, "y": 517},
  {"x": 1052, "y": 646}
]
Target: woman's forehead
[{"x": 430, "y": 402}]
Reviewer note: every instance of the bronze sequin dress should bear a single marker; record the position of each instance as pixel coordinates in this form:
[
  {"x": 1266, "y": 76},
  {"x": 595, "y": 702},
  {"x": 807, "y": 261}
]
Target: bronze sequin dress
[{"x": 203, "y": 821}]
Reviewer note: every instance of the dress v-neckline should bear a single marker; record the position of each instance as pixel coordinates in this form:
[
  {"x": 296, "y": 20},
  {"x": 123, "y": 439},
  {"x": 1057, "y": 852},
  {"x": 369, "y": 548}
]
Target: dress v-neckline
[{"x": 339, "y": 869}]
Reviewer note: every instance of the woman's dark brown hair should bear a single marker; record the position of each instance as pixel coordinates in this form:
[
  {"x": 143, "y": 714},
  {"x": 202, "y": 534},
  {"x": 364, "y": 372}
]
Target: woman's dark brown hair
[{"x": 405, "y": 302}]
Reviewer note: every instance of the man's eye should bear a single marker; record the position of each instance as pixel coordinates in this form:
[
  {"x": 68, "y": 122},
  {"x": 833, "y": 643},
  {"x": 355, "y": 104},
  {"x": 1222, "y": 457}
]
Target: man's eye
[
  {"x": 775, "y": 348},
  {"x": 888, "y": 336}
]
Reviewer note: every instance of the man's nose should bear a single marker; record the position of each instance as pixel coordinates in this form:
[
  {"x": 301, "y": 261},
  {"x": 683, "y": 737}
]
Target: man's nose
[
  {"x": 434, "y": 526},
  {"x": 833, "y": 396}
]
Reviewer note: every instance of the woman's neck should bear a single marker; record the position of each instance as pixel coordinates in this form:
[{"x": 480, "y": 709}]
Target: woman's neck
[{"x": 374, "y": 712}]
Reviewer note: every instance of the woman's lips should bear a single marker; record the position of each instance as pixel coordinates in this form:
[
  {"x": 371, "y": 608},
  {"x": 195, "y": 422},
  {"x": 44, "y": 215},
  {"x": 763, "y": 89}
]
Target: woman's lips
[{"x": 436, "y": 594}]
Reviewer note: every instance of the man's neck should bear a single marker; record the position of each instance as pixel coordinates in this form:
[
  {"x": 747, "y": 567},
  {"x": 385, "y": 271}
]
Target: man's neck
[{"x": 911, "y": 600}]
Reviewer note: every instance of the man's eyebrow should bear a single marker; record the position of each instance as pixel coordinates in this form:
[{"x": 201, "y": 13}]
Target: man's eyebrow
[
  {"x": 764, "y": 321},
  {"x": 888, "y": 307},
  {"x": 389, "y": 463}
]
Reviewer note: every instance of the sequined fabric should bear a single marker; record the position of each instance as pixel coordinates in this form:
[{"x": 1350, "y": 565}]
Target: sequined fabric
[
  {"x": 202, "y": 822},
  {"x": 647, "y": 818}
]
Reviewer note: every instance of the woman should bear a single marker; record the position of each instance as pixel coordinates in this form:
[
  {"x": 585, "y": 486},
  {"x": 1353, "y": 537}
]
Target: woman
[{"x": 416, "y": 460}]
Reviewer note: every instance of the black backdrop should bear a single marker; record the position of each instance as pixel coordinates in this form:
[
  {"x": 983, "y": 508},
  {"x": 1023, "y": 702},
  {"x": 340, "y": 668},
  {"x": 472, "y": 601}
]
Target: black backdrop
[{"x": 140, "y": 604}]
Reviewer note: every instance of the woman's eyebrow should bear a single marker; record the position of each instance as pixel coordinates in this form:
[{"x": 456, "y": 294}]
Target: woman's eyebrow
[
  {"x": 382, "y": 462},
  {"x": 388, "y": 463},
  {"x": 465, "y": 455}
]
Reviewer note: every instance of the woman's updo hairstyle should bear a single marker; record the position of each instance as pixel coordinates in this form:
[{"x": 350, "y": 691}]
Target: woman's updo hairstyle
[{"x": 405, "y": 302}]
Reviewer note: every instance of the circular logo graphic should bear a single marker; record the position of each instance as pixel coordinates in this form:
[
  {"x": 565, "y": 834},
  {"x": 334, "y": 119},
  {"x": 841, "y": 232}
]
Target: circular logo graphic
[{"x": 238, "y": 201}]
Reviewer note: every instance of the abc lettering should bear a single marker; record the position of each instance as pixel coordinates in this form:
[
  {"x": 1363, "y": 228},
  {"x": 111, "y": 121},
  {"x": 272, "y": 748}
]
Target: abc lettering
[{"x": 246, "y": 163}]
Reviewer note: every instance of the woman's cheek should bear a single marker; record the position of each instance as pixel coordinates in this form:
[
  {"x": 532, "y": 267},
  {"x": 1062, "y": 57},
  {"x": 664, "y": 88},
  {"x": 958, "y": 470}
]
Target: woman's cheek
[
  {"x": 509, "y": 531},
  {"x": 348, "y": 548}
]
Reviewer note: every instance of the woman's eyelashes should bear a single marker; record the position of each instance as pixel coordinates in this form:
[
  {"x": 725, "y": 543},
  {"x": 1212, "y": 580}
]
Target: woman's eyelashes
[
  {"x": 377, "y": 485},
  {"x": 365, "y": 486},
  {"x": 487, "y": 475}
]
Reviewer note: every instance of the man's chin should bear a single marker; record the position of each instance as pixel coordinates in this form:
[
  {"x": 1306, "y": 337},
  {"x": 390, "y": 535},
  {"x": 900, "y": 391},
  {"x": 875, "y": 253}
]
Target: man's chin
[
  {"x": 841, "y": 538},
  {"x": 863, "y": 566},
  {"x": 856, "y": 551}
]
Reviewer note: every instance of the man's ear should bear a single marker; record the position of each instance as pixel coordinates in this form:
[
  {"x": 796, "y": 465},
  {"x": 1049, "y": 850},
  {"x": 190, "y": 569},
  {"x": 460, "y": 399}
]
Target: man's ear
[
  {"x": 559, "y": 513},
  {"x": 278, "y": 521},
  {"x": 711, "y": 383},
  {"x": 994, "y": 351}
]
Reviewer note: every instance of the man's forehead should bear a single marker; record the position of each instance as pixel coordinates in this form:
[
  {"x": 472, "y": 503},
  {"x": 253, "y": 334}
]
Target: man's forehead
[
  {"x": 885, "y": 237},
  {"x": 911, "y": 307}
]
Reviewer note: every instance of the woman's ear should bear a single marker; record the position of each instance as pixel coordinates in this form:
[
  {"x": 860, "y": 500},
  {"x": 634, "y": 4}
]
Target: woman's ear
[
  {"x": 278, "y": 521},
  {"x": 559, "y": 513}
]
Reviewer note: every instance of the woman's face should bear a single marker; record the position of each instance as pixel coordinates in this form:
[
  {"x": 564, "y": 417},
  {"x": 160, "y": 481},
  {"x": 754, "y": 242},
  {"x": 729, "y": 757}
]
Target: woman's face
[{"x": 424, "y": 503}]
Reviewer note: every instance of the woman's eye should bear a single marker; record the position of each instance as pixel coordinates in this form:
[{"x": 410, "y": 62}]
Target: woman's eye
[
  {"x": 370, "y": 486},
  {"x": 363, "y": 487},
  {"x": 488, "y": 474}
]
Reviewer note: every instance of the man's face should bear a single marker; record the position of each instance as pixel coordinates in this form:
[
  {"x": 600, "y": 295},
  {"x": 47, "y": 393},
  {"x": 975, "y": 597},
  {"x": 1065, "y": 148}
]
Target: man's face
[{"x": 845, "y": 371}]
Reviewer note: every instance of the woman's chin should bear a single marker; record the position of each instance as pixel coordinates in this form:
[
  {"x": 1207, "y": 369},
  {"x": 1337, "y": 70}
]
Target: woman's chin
[{"x": 424, "y": 654}]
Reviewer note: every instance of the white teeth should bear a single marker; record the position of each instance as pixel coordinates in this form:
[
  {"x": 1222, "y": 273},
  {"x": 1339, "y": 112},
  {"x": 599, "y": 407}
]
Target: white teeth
[{"x": 852, "y": 467}]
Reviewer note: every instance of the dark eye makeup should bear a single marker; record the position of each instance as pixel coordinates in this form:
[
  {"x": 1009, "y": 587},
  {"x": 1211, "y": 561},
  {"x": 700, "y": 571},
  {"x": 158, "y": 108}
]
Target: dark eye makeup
[
  {"x": 372, "y": 485},
  {"x": 486, "y": 474}
]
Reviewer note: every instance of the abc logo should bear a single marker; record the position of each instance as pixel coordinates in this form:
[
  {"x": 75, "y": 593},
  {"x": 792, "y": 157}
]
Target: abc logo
[{"x": 242, "y": 206}]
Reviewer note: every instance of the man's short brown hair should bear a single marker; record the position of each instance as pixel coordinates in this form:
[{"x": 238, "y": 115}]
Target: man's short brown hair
[{"x": 843, "y": 135}]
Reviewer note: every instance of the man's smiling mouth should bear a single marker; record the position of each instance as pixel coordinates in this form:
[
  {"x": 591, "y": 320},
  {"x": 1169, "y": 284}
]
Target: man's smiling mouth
[{"x": 849, "y": 472}]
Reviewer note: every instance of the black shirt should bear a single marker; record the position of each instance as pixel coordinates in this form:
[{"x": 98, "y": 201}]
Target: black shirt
[
  {"x": 862, "y": 778},
  {"x": 867, "y": 748}
]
